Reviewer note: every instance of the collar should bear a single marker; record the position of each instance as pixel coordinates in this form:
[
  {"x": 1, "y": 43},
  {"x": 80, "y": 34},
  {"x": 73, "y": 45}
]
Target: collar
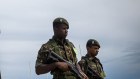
[
  {"x": 65, "y": 41},
  {"x": 91, "y": 58}
]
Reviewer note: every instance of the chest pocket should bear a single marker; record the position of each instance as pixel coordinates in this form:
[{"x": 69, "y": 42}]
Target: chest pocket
[
  {"x": 92, "y": 65},
  {"x": 64, "y": 51},
  {"x": 69, "y": 53}
]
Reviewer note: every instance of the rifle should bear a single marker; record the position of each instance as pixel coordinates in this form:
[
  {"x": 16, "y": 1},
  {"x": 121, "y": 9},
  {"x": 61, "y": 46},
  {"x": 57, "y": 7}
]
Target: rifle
[
  {"x": 53, "y": 57},
  {"x": 92, "y": 73}
]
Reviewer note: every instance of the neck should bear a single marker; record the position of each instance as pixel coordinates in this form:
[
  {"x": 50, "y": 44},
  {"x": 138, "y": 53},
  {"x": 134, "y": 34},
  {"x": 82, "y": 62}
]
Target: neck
[
  {"x": 90, "y": 55},
  {"x": 59, "y": 38}
]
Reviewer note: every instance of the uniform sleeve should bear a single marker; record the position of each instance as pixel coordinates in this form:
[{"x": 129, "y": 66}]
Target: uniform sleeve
[
  {"x": 74, "y": 50},
  {"x": 82, "y": 64},
  {"x": 41, "y": 56}
]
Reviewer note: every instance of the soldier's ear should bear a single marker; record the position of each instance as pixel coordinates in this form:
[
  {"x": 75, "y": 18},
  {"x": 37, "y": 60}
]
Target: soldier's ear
[
  {"x": 88, "y": 48},
  {"x": 55, "y": 28}
]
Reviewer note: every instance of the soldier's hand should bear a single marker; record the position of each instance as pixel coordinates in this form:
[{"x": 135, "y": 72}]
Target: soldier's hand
[
  {"x": 84, "y": 75},
  {"x": 62, "y": 66},
  {"x": 81, "y": 72}
]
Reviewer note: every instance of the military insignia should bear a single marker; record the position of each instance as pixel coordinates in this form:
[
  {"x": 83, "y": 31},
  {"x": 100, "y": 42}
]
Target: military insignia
[
  {"x": 61, "y": 20},
  {"x": 75, "y": 50},
  {"x": 92, "y": 42},
  {"x": 103, "y": 74}
]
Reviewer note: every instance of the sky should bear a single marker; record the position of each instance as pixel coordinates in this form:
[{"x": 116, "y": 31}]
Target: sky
[{"x": 27, "y": 24}]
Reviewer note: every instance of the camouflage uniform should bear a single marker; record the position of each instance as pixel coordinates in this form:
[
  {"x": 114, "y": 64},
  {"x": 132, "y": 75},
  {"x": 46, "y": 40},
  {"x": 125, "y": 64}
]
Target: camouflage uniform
[
  {"x": 65, "y": 50},
  {"x": 94, "y": 63}
]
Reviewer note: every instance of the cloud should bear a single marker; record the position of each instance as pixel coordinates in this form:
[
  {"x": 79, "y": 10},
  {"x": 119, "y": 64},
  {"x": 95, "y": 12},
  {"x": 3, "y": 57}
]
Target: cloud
[
  {"x": 26, "y": 25},
  {"x": 133, "y": 53}
]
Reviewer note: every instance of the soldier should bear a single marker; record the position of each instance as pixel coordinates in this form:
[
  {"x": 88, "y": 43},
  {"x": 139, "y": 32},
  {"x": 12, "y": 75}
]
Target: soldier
[
  {"x": 90, "y": 61},
  {"x": 64, "y": 48}
]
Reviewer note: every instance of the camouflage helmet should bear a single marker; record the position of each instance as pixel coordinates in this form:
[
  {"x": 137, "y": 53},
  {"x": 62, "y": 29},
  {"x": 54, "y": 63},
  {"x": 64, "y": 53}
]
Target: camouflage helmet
[
  {"x": 60, "y": 20},
  {"x": 92, "y": 42}
]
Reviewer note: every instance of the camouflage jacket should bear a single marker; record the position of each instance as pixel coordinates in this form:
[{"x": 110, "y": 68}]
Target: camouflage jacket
[
  {"x": 65, "y": 50},
  {"x": 93, "y": 63}
]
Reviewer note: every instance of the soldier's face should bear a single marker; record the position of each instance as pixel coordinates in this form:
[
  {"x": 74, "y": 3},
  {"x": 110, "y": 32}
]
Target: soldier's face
[
  {"x": 93, "y": 50},
  {"x": 62, "y": 30}
]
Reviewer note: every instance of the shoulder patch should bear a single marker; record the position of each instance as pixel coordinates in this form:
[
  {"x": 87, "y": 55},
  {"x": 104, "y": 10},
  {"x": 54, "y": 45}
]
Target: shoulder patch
[{"x": 75, "y": 50}]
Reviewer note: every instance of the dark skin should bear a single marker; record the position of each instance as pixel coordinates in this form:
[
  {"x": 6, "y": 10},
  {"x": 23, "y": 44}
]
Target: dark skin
[
  {"x": 93, "y": 51},
  {"x": 60, "y": 32}
]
